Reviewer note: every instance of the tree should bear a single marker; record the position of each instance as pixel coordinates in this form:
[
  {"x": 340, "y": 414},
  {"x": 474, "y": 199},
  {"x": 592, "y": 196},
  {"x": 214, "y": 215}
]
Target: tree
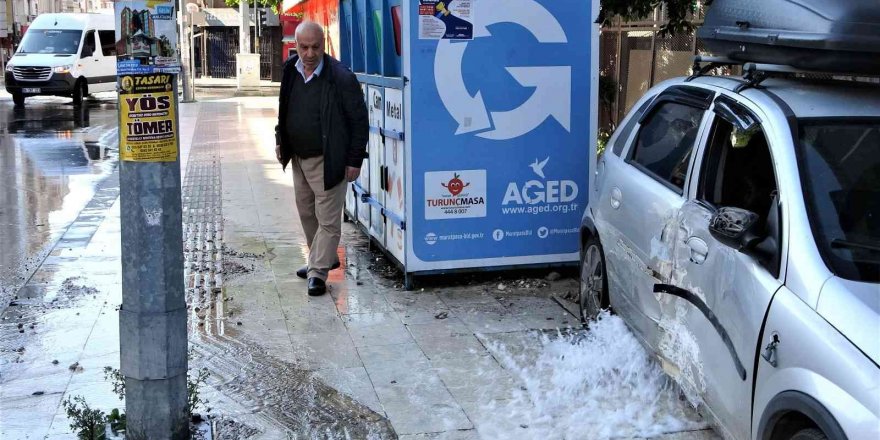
[
  {"x": 676, "y": 10},
  {"x": 274, "y": 4}
]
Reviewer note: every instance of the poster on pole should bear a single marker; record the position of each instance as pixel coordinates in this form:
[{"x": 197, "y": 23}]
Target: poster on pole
[
  {"x": 148, "y": 123},
  {"x": 146, "y": 37}
]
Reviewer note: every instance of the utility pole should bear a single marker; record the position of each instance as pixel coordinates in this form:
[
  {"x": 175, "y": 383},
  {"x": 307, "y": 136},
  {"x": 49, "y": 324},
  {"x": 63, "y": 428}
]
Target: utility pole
[
  {"x": 153, "y": 316},
  {"x": 256, "y": 28},
  {"x": 183, "y": 50},
  {"x": 244, "y": 33}
]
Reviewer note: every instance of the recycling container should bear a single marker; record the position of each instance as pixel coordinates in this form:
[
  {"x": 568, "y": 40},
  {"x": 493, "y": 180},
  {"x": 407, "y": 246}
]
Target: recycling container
[{"x": 483, "y": 118}]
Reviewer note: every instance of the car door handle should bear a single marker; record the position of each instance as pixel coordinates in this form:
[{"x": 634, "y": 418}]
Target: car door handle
[
  {"x": 616, "y": 197},
  {"x": 699, "y": 250}
]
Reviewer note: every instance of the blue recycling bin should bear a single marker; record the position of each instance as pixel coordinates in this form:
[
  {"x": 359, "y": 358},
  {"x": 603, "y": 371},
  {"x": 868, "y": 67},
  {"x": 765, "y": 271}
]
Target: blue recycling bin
[{"x": 483, "y": 118}]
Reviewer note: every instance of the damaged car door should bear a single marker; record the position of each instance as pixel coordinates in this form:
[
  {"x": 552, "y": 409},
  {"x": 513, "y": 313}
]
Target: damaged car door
[
  {"x": 727, "y": 264},
  {"x": 639, "y": 205}
]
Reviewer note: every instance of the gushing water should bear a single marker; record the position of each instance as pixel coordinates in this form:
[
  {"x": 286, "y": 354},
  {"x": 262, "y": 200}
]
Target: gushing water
[{"x": 600, "y": 384}]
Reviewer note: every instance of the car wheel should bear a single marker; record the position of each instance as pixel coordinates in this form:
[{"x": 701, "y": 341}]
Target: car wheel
[
  {"x": 809, "y": 434},
  {"x": 18, "y": 99},
  {"x": 593, "y": 296},
  {"x": 79, "y": 91}
]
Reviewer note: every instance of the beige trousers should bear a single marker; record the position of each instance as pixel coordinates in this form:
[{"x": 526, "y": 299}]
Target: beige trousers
[{"x": 320, "y": 212}]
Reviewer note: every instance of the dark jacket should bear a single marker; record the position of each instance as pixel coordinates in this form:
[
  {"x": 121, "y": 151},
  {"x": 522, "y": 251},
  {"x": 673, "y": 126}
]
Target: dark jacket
[{"x": 344, "y": 125}]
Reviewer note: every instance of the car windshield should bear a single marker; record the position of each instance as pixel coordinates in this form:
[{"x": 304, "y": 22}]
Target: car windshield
[
  {"x": 54, "y": 41},
  {"x": 840, "y": 168}
]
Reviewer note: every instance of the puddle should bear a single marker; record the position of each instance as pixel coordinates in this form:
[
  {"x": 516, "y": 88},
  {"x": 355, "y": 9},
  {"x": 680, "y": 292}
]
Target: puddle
[
  {"x": 52, "y": 159},
  {"x": 599, "y": 384}
]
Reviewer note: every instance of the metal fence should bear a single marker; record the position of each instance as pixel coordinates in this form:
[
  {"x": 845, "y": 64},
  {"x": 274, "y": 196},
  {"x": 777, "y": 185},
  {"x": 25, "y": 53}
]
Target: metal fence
[
  {"x": 215, "y": 52},
  {"x": 633, "y": 57}
]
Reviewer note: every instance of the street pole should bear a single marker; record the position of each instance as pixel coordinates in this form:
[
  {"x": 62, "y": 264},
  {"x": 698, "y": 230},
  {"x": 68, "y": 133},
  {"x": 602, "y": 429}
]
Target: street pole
[
  {"x": 191, "y": 73},
  {"x": 185, "y": 59},
  {"x": 256, "y": 28},
  {"x": 244, "y": 30},
  {"x": 153, "y": 316},
  {"x": 152, "y": 319}
]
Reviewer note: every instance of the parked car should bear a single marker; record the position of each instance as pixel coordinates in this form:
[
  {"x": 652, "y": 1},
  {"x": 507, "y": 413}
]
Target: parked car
[
  {"x": 64, "y": 55},
  {"x": 735, "y": 228}
]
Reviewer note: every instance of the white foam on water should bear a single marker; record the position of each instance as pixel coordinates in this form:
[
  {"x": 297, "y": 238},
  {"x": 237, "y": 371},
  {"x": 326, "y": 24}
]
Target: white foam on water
[{"x": 598, "y": 385}]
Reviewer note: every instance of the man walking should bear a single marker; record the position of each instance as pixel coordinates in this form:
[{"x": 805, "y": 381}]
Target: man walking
[{"x": 322, "y": 132}]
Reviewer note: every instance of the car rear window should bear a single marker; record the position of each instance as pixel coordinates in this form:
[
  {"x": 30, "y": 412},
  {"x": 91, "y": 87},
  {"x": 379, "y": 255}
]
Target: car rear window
[{"x": 666, "y": 140}]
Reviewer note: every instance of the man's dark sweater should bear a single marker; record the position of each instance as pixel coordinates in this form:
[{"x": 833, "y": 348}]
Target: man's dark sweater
[{"x": 304, "y": 117}]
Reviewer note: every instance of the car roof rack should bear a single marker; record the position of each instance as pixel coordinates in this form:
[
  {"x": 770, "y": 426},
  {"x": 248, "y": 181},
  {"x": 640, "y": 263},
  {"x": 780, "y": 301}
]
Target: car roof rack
[
  {"x": 711, "y": 63},
  {"x": 753, "y": 73}
]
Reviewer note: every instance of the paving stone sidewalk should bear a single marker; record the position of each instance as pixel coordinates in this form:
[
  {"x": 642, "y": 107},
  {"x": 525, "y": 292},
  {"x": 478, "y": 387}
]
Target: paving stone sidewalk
[
  {"x": 418, "y": 358},
  {"x": 368, "y": 360}
]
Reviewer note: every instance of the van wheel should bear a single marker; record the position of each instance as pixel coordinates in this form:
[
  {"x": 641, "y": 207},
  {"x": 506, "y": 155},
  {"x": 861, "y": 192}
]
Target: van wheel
[
  {"x": 593, "y": 295},
  {"x": 79, "y": 92},
  {"x": 809, "y": 434},
  {"x": 18, "y": 99}
]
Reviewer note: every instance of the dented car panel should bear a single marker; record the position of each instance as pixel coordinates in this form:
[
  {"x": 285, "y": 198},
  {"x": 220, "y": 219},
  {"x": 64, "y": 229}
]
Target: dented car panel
[
  {"x": 642, "y": 244},
  {"x": 738, "y": 291}
]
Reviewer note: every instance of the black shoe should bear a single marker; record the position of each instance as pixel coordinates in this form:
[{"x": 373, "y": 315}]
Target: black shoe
[
  {"x": 303, "y": 272},
  {"x": 317, "y": 287}
]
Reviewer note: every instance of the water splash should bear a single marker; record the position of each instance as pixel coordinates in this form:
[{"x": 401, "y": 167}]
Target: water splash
[{"x": 599, "y": 384}]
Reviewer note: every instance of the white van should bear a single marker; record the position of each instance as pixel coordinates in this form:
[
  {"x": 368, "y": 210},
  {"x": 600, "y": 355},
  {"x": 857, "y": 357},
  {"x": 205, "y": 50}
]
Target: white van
[{"x": 64, "y": 55}]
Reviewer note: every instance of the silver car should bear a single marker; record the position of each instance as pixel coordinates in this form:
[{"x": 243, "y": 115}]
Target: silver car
[{"x": 735, "y": 226}]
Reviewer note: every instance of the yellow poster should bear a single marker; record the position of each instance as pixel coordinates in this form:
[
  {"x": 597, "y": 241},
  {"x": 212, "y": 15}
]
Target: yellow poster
[{"x": 148, "y": 125}]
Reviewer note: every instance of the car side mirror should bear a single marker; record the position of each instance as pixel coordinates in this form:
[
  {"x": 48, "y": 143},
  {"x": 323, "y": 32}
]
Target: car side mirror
[{"x": 735, "y": 228}]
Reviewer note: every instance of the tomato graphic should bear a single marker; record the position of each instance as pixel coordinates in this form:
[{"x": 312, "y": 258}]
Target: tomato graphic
[{"x": 455, "y": 185}]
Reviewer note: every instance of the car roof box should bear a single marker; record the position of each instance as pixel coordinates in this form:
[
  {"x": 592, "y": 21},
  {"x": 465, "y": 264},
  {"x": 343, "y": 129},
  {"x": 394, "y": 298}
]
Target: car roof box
[{"x": 841, "y": 36}]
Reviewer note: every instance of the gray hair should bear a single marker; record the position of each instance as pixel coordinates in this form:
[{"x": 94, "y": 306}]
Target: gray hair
[{"x": 309, "y": 26}]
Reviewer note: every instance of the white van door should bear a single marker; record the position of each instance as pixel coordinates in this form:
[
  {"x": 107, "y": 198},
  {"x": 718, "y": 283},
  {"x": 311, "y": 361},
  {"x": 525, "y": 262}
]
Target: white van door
[
  {"x": 91, "y": 62},
  {"x": 89, "y": 59},
  {"x": 107, "y": 43}
]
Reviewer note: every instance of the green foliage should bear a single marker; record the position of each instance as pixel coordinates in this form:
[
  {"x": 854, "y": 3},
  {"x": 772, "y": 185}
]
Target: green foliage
[
  {"x": 602, "y": 142},
  {"x": 676, "y": 10},
  {"x": 86, "y": 422},
  {"x": 117, "y": 421},
  {"x": 193, "y": 383},
  {"x": 117, "y": 380},
  {"x": 274, "y": 4},
  {"x": 193, "y": 399}
]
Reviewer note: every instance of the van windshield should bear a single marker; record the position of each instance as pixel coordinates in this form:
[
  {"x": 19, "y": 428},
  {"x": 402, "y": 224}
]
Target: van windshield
[
  {"x": 840, "y": 169},
  {"x": 54, "y": 41}
]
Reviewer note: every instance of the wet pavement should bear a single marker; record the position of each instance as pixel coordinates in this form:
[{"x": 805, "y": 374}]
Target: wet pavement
[
  {"x": 477, "y": 357},
  {"x": 53, "y": 160}
]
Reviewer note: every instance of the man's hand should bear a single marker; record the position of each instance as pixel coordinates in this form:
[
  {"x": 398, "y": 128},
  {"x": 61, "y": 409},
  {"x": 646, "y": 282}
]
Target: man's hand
[
  {"x": 278, "y": 153},
  {"x": 352, "y": 173}
]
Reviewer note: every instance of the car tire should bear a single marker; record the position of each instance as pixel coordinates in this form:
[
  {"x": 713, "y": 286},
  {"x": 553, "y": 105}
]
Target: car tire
[
  {"x": 593, "y": 290},
  {"x": 18, "y": 99},
  {"x": 809, "y": 434},
  {"x": 79, "y": 92}
]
